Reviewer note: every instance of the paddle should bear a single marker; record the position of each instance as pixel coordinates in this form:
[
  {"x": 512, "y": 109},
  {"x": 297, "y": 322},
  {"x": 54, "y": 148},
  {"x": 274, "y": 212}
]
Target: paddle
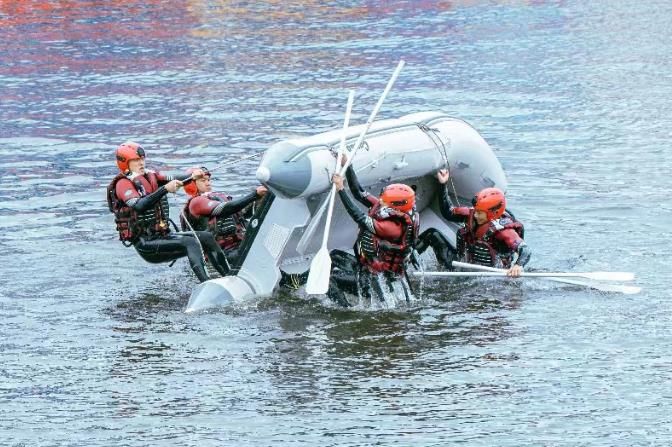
[
  {"x": 310, "y": 230},
  {"x": 360, "y": 140},
  {"x": 320, "y": 266},
  {"x": 628, "y": 290},
  {"x": 595, "y": 276},
  {"x": 603, "y": 287},
  {"x": 525, "y": 274}
]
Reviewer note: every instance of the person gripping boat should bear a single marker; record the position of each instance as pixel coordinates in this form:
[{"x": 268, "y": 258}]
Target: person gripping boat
[
  {"x": 386, "y": 239},
  {"x": 491, "y": 235},
  {"x": 138, "y": 199},
  {"x": 218, "y": 213}
]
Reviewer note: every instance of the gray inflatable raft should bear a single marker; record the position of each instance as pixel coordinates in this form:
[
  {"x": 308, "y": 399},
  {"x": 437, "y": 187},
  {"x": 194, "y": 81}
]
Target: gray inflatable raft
[{"x": 286, "y": 231}]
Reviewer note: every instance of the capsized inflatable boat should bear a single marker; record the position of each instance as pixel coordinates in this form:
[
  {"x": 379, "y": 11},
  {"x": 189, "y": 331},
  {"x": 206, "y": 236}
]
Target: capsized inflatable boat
[{"x": 286, "y": 231}]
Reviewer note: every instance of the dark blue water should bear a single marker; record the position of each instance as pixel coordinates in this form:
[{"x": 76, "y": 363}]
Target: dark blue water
[{"x": 94, "y": 347}]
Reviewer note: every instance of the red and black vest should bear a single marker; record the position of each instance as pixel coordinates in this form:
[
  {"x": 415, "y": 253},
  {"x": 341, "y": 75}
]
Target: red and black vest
[
  {"x": 379, "y": 254},
  {"x": 228, "y": 231},
  {"x": 477, "y": 244},
  {"x": 131, "y": 224}
]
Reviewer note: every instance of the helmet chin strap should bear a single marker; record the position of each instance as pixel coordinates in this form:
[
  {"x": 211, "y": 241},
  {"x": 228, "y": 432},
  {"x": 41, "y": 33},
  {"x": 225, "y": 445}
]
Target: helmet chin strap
[{"x": 384, "y": 211}]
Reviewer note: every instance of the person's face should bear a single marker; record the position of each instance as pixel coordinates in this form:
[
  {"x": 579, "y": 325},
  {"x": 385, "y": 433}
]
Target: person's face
[
  {"x": 480, "y": 217},
  {"x": 203, "y": 185},
  {"x": 137, "y": 166}
]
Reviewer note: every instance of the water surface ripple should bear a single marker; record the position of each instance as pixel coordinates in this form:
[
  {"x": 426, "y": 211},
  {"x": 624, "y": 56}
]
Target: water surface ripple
[{"x": 94, "y": 347}]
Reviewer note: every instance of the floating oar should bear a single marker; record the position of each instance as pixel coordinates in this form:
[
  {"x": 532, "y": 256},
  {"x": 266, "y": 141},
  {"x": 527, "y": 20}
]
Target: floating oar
[
  {"x": 320, "y": 267},
  {"x": 595, "y": 276},
  {"x": 603, "y": 287},
  {"x": 525, "y": 274},
  {"x": 310, "y": 230},
  {"x": 618, "y": 288}
]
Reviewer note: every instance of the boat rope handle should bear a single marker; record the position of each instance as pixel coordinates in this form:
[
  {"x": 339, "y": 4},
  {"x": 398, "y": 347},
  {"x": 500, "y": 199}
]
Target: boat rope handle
[{"x": 443, "y": 151}]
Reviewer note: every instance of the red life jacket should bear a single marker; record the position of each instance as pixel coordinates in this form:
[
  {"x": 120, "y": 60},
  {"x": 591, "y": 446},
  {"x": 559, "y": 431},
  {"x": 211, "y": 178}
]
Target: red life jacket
[
  {"x": 477, "y": 244},
  {"x": 229, "y": 231},
  {"x": 131, "y": 224},
  {"x": 379, "y": 254}
]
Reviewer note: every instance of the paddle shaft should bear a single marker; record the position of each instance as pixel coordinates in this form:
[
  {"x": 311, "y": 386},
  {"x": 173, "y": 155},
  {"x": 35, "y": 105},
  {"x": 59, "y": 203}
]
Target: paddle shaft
[
  {"x": 339, "y": 157},
  {"x": 372, "y": 117}
]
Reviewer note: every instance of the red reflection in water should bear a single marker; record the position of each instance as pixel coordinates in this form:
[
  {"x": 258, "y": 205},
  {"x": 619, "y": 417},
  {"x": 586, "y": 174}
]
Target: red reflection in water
[
  {"x": 81, "y": 35},
  {"x": 94, "y": 19}
]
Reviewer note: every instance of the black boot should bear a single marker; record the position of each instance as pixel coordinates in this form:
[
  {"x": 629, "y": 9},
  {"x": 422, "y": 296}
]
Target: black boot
[
  {"x": 293, "y": 280},
  {"x": 200, "y": 272},
  {"x": 337, "y": 296},
  {"x": 220, "y": 263},
  {"x": 444, "y": 253}
]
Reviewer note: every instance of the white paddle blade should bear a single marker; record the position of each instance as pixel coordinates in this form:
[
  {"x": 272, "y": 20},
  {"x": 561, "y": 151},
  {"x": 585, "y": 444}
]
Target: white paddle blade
[
  {"x": 599, "y": 276},
  {"x": 609, "y": 276},
  {"x": 320, "y": 271},
  {"x": 616, "y": 288},
  {"x": 595, "y": 276}
]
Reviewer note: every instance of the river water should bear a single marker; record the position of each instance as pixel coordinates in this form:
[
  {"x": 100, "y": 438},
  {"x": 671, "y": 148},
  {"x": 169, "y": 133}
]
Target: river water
[{"x": 94, "y": 347}]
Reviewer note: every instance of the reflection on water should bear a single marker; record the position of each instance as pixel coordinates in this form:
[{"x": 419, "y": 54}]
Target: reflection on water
[{"x": 96, "y": 350}]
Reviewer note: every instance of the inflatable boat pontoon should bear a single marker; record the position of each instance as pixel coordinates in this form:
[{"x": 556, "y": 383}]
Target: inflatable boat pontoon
[{"x": 286, "y": 231}]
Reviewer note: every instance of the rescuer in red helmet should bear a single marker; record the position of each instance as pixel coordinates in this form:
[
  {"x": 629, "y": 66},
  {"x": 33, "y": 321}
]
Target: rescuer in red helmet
[
  {"x": 138, "y": 198},
  {"x": 218, "y": 213},
  {"x": 387, "y": 235},
  {"x": 491, "y": 235}
]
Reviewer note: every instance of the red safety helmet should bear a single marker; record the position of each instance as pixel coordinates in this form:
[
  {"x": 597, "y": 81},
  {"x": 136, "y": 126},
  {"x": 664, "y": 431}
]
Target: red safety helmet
[
  {"x": 127, "y": 152},
  {"x": 191, "y": 188},
  {"x": 399, "y": 196},
  {"x": 491, "y": 201}
]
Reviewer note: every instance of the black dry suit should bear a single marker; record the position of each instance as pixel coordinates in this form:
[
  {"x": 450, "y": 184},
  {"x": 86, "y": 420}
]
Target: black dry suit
[
  {"x": 379, "y": 262},
  {"x": 142, "y": 222}
]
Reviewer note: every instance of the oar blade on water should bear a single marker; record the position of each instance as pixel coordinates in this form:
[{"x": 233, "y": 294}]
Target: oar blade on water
[
  {"x": 628, "y": 290},
  {"x": 595, "y": 276},
  {"x": 610, "y": 276},
  {"x": 320, "y": 271}
]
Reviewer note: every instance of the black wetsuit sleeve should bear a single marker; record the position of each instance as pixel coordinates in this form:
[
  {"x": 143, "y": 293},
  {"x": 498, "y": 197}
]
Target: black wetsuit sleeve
[
  {"x": 184, "y": 178},
  {"x": 147, "y": 202},
  {"x": 355, "y": 188},
  {"x": 226, "y": 209},
  {"x": 446, "y": 207},
  {"x": 524, "y": 254},
  {"x": 357, "y": 215}
]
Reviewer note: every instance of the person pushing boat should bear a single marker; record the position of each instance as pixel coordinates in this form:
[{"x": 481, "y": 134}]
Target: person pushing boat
[
  {"x": 387, "y": 236},
  {"x": 491, "y": 235},
  {"x": 138, "y": 199},
  {"x": 218, "y": 213}
]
